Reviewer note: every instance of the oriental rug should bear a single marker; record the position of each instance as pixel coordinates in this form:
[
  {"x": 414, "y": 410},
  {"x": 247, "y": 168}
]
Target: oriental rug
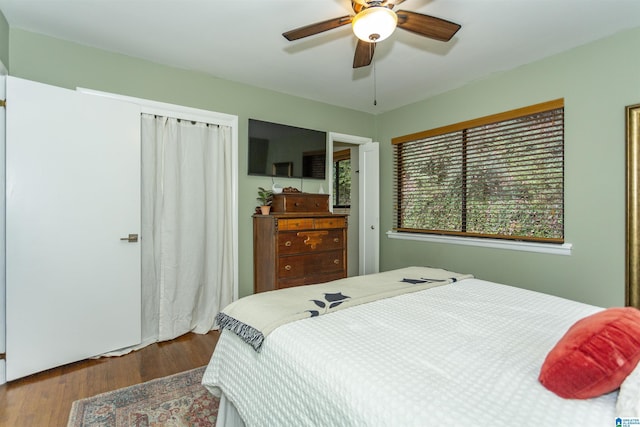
[{"x": 177, "y": 400}]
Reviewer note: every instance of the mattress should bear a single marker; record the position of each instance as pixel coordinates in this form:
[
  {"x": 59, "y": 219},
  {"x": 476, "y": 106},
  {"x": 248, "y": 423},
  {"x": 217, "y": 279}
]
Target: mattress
[{"x": 466, "y": 353}]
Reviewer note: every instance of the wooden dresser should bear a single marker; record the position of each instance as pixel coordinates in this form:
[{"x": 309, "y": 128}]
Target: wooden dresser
[{"x": 299, "y": 243}]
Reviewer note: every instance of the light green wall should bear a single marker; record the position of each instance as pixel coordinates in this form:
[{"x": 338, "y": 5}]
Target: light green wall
[
  {"x": 597, "y": 81},
  {"x": 4, "y": 41},
  {"x": 60, "y": 63}
]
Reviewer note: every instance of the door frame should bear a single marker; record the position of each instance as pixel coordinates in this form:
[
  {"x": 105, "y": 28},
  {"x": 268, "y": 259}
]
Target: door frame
[{"x": 364, "y": 185}]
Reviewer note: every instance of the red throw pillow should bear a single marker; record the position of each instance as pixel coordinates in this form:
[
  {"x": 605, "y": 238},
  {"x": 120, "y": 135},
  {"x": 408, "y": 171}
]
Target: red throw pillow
[{"x": 595, "y": 355}]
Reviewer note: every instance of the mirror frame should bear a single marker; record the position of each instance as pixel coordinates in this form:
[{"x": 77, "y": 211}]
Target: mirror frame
[{"x": 632, "y": 255}]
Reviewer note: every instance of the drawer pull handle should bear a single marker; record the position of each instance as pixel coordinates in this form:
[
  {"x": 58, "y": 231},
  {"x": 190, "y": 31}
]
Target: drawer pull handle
[
  {"x": 296, "y": 204},
  {"x": 336, "y": 261},
  {"x": 287, "y": 267},
  {"x": 336, "y": 240},
  {"x": 287, "y": 243}
]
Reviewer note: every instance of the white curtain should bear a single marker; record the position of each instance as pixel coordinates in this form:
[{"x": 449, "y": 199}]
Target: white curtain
[{"x": 186, "y": 236}]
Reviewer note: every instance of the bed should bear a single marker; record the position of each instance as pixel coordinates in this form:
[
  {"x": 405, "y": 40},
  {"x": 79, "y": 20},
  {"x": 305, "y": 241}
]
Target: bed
[{"x": 456, "y": 351}]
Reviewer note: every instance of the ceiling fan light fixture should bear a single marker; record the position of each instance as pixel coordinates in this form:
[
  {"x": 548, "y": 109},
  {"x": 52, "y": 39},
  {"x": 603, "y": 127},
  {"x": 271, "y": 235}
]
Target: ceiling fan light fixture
[{"x": 374, "y": 24}]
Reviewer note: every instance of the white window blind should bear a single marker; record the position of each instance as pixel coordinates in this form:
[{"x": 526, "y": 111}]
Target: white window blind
[{"x": 500, "y": 176}]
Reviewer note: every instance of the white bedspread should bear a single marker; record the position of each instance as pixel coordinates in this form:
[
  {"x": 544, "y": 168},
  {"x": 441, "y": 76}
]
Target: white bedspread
[{"x": 464, "y": 354}]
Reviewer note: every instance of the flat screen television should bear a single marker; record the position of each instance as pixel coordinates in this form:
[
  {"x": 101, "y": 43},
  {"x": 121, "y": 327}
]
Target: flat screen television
[{"x": 279, "y": 150}]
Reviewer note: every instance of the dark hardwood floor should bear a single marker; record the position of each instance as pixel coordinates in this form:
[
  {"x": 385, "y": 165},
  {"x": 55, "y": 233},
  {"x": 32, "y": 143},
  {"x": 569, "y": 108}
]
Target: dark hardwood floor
[{"x": 45, "y": 399}]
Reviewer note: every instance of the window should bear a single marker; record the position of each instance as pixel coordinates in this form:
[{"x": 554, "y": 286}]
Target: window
[
  {"x": 342, "y": 179},
  {"x": 500, "y": 176}
]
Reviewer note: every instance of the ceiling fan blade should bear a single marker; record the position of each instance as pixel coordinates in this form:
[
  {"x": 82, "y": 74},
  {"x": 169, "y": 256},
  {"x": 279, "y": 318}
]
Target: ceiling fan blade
[
  {"x": 428, "y": 26},
  {"x": 364, "y": 54},
  {"x": 316, "y": 28}
]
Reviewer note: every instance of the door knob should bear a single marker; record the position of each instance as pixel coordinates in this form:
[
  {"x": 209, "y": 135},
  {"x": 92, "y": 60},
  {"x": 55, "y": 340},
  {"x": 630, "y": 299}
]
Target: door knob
[{"x": 131, "y": 239}]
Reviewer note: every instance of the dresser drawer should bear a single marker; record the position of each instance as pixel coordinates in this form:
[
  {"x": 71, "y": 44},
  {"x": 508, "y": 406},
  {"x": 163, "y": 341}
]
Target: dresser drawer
[
  {"x": 295, "y": 224},
  {"x": 309, "y": 264},
  {"x": 311, "y": 223},
  {"x": 309, "y": 280},
  {"x": 300, "y": 202},
  {"x": 339, "y": 222},
  {"x": 292, "y": 242}
]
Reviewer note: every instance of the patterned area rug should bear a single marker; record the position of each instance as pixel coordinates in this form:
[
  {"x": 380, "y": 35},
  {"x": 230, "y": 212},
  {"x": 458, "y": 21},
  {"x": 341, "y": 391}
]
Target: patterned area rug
[{"x": 177, "y": 400}]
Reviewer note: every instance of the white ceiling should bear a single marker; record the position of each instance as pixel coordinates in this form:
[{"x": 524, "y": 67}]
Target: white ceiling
[{"x": 241, "y": 40}]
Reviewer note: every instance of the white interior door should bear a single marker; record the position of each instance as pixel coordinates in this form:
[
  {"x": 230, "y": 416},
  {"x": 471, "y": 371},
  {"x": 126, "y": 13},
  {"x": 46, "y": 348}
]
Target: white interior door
[
  {"x": 369, "y": 215},
  {"x": 72, "y": 193},
  {"x": 3, "y": 341}
]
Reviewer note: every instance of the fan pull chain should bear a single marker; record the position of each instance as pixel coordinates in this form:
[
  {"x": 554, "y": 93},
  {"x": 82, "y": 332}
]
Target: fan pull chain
[{"x": 375, "y": 84}]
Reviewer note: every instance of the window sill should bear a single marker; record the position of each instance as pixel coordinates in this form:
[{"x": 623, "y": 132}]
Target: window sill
[{"x": 547, "y": 248}]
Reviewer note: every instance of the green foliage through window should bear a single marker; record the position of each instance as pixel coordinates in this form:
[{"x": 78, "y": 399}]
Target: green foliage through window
[
  {"x": 342, "y": 181},
  {"x": 501, "y": 176}
]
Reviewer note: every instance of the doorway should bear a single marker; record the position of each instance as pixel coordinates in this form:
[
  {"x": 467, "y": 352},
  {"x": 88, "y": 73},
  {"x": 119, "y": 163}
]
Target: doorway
[
  {"x": 172, "y": 136},
  {"x": 363, "y": 234},
  {"x": 345, "y": 197}
]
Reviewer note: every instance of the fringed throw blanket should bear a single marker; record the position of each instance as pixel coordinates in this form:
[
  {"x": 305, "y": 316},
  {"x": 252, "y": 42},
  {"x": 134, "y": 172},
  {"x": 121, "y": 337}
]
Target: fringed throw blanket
[{"x": 253, "y": 317}]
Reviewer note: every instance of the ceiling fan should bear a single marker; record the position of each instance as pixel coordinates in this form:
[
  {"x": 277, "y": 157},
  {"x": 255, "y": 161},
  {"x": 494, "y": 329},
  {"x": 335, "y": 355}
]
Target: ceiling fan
[{"x": 374, "y": 21}]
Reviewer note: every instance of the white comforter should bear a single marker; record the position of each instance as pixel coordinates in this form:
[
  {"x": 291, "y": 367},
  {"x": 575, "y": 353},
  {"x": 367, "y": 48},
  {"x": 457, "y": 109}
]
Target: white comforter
[{"x": 464, "y": 354}]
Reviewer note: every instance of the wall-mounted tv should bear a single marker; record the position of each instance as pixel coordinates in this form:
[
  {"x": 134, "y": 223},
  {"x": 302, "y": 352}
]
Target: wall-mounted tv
[{"x": 279, "y": 150}]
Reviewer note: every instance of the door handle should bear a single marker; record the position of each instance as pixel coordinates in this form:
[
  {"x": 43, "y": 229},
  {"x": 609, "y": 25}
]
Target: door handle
[{"x": 133, "y": 238}]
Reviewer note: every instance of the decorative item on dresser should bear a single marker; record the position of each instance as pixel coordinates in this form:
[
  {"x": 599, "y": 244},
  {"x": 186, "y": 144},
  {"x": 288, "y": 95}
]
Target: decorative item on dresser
[
  {"x": 299, "y": 243},
  {"x": 265, "y": 197}
]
